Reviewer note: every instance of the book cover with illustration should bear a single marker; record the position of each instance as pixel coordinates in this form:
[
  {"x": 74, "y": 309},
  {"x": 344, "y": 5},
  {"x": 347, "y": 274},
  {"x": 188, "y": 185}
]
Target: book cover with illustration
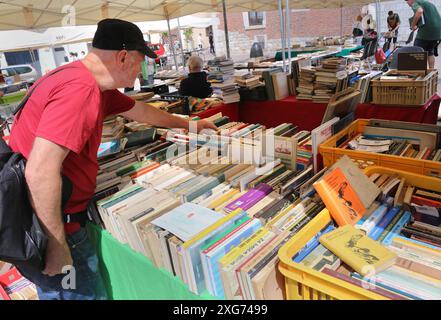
[
  {"x": 347, "y": 192},
  {"x": 352, "y": 246}
]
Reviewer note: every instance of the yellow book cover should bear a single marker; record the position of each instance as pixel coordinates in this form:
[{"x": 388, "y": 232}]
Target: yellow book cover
[
  {"x": 225, "y": 197},
  {"x": 352, "y": 246},
  {"x": 233, "y": 254}
]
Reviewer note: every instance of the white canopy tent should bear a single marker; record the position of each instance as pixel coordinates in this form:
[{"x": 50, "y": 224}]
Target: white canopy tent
[
  {"x": 16, "y": 40},
  {"x": 41, "y": 14},
  {"x": 32, "y": 14}
]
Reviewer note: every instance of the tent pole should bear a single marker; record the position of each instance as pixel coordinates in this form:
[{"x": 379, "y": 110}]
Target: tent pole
[
  {"x": 377, "y": 10},
  {"x": 288, "y": 33},
  {"x": 341, "y": 19},
  {"x": 171, "y": 43},
  {"x": 180, "y": 43},
  {"x": 282, "y": 34},
  {"x": 379, "y": 15},
  {"x": 227, "y": 40}
]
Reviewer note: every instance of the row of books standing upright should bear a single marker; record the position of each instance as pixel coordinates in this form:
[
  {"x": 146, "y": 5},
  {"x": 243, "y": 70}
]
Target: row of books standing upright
[
  {"x": 211, "y": 219},
  {"x": 194, "y": 206}
]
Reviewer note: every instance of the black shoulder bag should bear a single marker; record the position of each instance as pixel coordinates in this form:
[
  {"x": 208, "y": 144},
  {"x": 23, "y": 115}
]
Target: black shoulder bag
[{"x": 22, "y": 239}]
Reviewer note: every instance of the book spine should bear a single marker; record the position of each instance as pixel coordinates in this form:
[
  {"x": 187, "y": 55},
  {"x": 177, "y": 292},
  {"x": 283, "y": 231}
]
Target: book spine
[
  {"x": 378, "y": 229},
  {"x": 395, "y": 231},
  {"x": 425, "y": 202},
  {"x": 390, "y": 226},
  {"x": 397, "y": 291},
  {"x": 418, "y": 267},
  {"x": 374, "y": 219},
  {"x": 359, "y": 283},
  {"x": 250, "y": 198}
]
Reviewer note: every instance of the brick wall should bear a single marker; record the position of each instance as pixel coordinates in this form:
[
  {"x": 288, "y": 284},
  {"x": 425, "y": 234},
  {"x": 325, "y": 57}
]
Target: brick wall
[{"x": 304, "y": 25}]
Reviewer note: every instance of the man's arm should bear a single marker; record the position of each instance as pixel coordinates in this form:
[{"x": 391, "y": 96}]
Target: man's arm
[
  {"x": 145, "y": 113},
  {"x": 418, "y": 14},
  {"x": 43, "y": 177}
]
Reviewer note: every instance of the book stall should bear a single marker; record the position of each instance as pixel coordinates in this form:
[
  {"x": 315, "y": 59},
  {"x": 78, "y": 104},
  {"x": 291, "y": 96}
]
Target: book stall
[
  {"x": 321, "y": 182},
  {"x": 245, "y": 214}
]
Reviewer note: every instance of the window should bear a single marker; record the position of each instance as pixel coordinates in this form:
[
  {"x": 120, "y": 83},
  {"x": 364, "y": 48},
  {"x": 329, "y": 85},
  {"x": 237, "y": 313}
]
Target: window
[
  {"x": 21, "y": 70},
  {"x": 255, "y": 18},
  {"x": 9, "y": 72}
]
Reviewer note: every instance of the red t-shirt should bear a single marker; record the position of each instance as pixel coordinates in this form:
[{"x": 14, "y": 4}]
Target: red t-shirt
[{"x": 68, "y": 109}]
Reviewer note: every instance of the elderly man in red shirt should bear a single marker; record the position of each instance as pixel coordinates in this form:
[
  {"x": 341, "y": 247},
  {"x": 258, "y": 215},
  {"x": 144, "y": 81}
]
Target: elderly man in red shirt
[{"x": 59, "y": 132}]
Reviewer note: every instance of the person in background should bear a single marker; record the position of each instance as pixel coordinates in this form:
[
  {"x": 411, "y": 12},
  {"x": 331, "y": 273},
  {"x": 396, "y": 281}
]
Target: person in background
[
  {"x": 148, "y": 67},
  {"x": 429, "y": 35},
  {"x": 211, "y": 40},
  {"x": 393, "y": 24},
  {"x": 200, "y": 41},
  {"x": 59, "y": 132},
  {"x": 196, "y": 84},
  {"x": 146, "y": 76},
  {"x": 358, "y": 28}
]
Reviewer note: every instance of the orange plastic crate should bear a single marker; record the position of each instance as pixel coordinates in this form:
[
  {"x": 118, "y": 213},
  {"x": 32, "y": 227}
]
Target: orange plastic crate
[{"x": 331, "y": 154}]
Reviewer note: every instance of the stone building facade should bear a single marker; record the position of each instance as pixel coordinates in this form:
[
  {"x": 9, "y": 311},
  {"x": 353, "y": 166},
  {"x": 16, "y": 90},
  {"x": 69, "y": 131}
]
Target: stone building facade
[{"x": 304, "y": 25}]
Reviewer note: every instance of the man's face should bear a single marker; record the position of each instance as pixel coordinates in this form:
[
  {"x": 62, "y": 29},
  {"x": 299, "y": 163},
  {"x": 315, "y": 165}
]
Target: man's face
[
  {"x": 410, "y": 2},
  {"x": 130, "y": 68}
]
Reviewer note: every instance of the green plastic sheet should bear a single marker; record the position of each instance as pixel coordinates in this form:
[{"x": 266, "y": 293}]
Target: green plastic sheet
[{"x": 129, "y": 275}]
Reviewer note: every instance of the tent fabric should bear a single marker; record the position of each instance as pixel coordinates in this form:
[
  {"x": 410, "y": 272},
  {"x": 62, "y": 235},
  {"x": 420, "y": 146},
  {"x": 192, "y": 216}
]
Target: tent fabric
[
  {"x": 26, "y": 39},
  {"x": 128, "y": 275},
  {"x": 32, "y": 14}
]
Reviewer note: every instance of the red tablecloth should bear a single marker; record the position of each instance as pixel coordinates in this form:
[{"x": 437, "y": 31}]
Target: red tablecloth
[
  {"x": 230, "y": 110},
  {"x": 305, "y": 114},
  {"x": 424, "y": 114},
  {"x": 308, "y": 115}
]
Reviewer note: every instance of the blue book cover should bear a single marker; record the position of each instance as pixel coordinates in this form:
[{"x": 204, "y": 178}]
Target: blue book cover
[
  {"x": 384, "y": 222},
  {"x": 108, "y": 148},
  {"x": 192, "y": 255},
  {"x": 311, "y": 245},
  {"x": 396, "y": 229},
  {"x": 228, "y": 245}
]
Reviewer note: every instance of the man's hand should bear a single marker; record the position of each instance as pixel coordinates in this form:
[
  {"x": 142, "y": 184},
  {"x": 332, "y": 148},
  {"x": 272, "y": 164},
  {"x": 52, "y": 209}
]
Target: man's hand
[
  {"x": 414, "y": 27},
  {"x": 57, "y": 257},
  {"x": 204, "y": 124}
]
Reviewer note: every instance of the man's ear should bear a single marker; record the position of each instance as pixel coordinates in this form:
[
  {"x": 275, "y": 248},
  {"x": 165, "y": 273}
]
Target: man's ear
[{"x": 121, "y": 57}]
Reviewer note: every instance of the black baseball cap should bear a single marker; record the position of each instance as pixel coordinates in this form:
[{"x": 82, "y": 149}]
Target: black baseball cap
[{"x": 116, "y": 34}]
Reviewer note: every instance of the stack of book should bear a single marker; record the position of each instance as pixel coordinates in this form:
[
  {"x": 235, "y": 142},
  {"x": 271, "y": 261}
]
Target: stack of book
[
  {"x": 214, "y": 222},
  {"x": 395, "y": 241},
  {"x": 248, "y": 81},
  {"x": 13, "y": 286},
  {"x": 327, "y": 77},
  {"x": 221, "y": 74},
  {"x": 305, "y": 87},
  {"x": 304, "y": 150},
  {"x": 221, "y": 69},
  {"x": 226, "y": 90},
  {"x": 113, "y": 129}
]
